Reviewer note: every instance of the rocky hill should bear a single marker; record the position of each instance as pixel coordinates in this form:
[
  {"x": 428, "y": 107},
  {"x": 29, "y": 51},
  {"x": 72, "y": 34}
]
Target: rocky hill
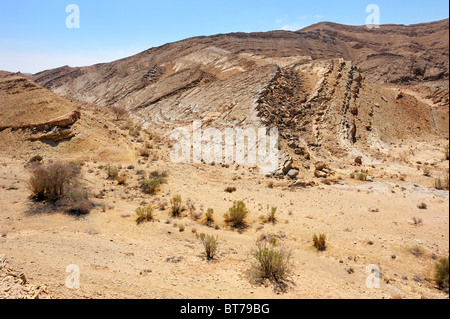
[{"x": 332, "y": 90}]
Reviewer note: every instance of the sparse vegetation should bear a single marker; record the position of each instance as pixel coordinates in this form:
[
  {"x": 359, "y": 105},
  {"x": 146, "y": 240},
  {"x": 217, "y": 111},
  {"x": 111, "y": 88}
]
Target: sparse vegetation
[
  {"x": 361, "y": 176},
  {"x": 144, "y": 152},
  {"x": 135, "y": 131},
  {"x": 121, "y": 180},
  {"x": 320, "y": 242},
  {"x": 446, "y": 152},
  {"x": 176, "y": 206},
  {"x": 144, "y": 214},
  {"x": 210, "y": 243},
  {"x": 59, "y": 183},
  {"x": 52, "y": 181},
  {"x": 273, "y": 263},
  {"x": 209, "y": 217},
  {"x": 230, "y": 189},
  {"x": 112, "y": 171},
  {"x": 426, "y": 171},
  {"x": 441, "y": 275},
  {"x": 423, "y": 206},
  {"x": 151, "y": 184},
  {"x": 236, "y": 215},
  {"x": 441, "y": 184},
  {"x": 417, "y": 251},
  {"x": 270, "y": 216},
  {"x": 417, "y": 221},
  {"x": 119, "y": 112}
]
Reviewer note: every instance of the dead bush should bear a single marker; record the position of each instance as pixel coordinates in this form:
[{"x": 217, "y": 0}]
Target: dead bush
[
  {"x": 119, "y": 112},
  {"x": 320, "y": 242},
  {"x": 51, "y": 181}
]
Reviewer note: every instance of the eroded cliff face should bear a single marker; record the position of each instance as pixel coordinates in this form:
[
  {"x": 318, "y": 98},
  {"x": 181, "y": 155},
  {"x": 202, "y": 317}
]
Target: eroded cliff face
[{"x": 331, "y": 90}]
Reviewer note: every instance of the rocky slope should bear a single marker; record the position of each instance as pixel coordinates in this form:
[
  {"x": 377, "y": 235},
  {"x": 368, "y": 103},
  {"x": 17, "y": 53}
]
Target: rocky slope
[
  {"x": 332, "y": 90},
  {"x": 31, "y": 113}
]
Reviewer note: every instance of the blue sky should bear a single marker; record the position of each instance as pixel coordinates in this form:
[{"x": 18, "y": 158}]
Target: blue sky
[{"x": 34, "y": 35}]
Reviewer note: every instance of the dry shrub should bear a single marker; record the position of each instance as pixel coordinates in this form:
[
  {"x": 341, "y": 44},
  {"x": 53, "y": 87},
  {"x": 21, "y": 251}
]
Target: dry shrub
[
  {"x": 176, "y": 206},
  {"x": 230, "y": 189},
  {"x": 320, "y": 242},
  {"x": 417, "y": 251},
  {"x": 361, "y": 176},
  {"x": 121, "y": 180},
  {"x": 210, "y": 243},
  {"x": 51, "y": 181},
  {"x": 209, "y": 217},
  {"x": 270, "y": 216},
  {"x": 112, "y": 171},
  {"x": 441, "y": 275},
  {"x": 119, "y": 112},
  {"x": 76, "y": 201},
  {"x": 144, "y": 214},
  {"x": 151, "y": 184},
  {"x": 272, "y": 263},
  {"x": 59, "y": 183},
  {"x": 441, "y": 184}
]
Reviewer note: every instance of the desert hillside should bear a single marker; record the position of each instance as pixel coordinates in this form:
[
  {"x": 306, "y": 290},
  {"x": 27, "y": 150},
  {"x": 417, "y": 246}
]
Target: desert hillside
[{"x": 363, "y": 159}]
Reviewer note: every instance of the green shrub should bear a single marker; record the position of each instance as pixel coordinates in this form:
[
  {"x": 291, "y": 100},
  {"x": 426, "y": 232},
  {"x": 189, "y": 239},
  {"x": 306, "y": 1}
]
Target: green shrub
[
  {"x": 150, "y": 185},
  {"x": 236, "y": 215},
  {"x": 210, "y": 243},
  {"x": 144, "y": 214},
  {"x": 209, "y": 217},
  {"x": 272, "y": 263},
  {"x": 112, "y": 171},
  {"x": 159, "y": 174},
  {"x": 441, "y": 274},
  {"x": 361, "y": 176},
  {"x": 320, "y": 242},
  {"x": 270, "y": 217}
]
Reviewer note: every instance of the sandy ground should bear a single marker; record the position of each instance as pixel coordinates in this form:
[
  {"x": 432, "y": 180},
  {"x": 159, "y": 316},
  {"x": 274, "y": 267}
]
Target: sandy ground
[{"x": 366, "y": 224}]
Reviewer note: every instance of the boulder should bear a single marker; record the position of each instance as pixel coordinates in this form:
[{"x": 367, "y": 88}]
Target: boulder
[
  {"x": 320, "y": 166},
  {"x": 284, "y": 164},
  {"x": 320, "y": 174},
  {"x": 359, "y": 160},
  {"x": 293, "y": 173}
]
